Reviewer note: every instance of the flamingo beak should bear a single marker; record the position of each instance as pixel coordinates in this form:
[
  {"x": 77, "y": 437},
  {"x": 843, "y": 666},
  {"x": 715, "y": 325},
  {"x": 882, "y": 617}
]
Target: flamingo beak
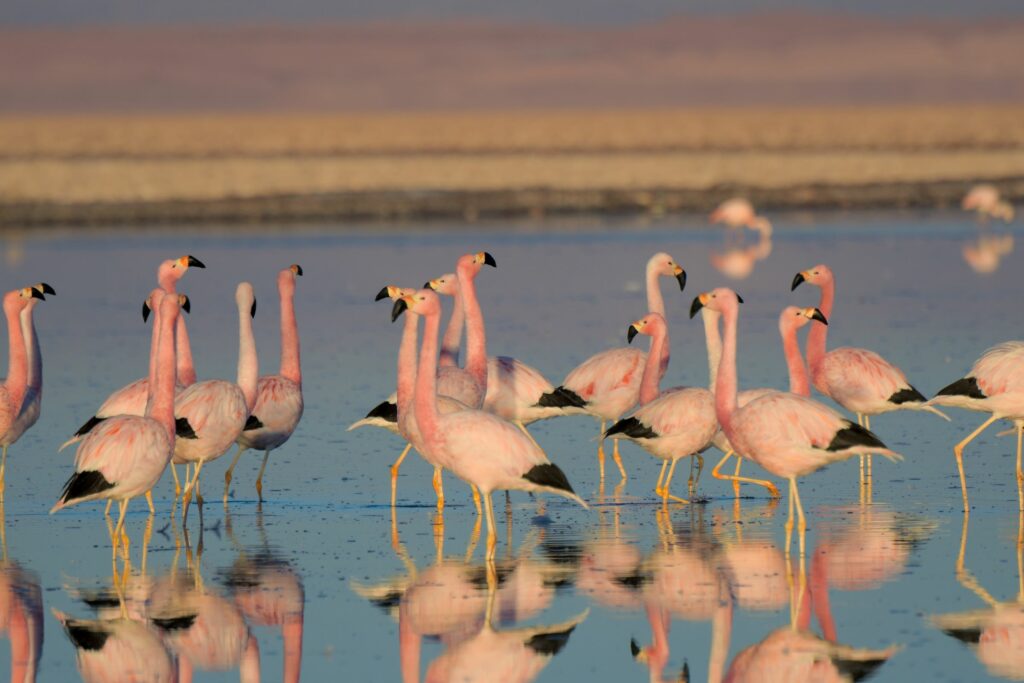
[
  {"x": 398, "y": 309},
  {"x": 631, "y": 334},
  {"x": 738, "y": 298},
  {"x": 698, "y": 303},
  {"x": 186, "y": 303},
  {"x": 145, "y": 311},
  {"x": 681, "y": 277},
  {"x": 819, "y": 316},
  {"x": 638, "y": 652},
  {"x": 36, "y": 294},
  {"x": 382, "y": 294},
  {"x": 45, "y": 288},
  {"x": 798, "y": 279},
  {"x": 488, "y": 260},
  {"x": 297, "y": 269},
  {"x": 252, "y": 311},
  {"x": 430, "y": 284},
  {"x": 192, "y": 262}
]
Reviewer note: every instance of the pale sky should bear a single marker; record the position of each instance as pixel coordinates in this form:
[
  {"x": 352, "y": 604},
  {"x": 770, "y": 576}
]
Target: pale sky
[{"x": 70, "y": 12}]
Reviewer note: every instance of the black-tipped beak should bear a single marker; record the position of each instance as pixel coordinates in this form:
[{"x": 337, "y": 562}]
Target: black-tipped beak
[
  {"x": 186, "y": 304},
  {"x": 489, "y": 260},
  {"x": 798, "y": 279},
  {"x": 428, "y": 285},
  {"x": 681, "y": 278},
  {"x": 36, "y": 294},
  {"x": 684, "y": 675},
  {"x": 382, "y": 294},
  {"x": 145, "y": 311},
  {"x": 695, "y": 306},
  {"x": 739, "y": 298},
  {"x": 298, "y": 269},
  {"x": 631, "y": 333},
  {"x": 252, "y": 311},
  {"x": 47, "y": 289},
  {"x": 398, "y": 309},
  {"x": 193, "y": 262},
  {"x": 819, "y": 316},
  {"x": 634, "y": 648}
]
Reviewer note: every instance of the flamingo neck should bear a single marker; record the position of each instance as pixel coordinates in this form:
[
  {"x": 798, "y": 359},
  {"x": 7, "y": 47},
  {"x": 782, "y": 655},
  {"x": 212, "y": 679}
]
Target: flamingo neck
[
  {"x": 291, "y": 636},
  {"x": 655, "y": 302},
  {"x": 453, "y": 334},
  {"x": 818, "y": 336},
  {"x": 658, "y": 653},
  {"x": 248, "y": 363},
  {"x": 186, "y": 368},
  {"x": 721, "y": 632},
  {"x": 649, "y": 389},
  {"x": 425, "y": 401},
  {"x": 407, "y": 362},
  {"x": 16, "y": 383},
  {"x": 798, "y": 382},
  {"x": 476, "y": 339},
  {"x": 713, "y": 340},
  {"x": 291, "y": 362},
  {"x": 154, "y": 345},
  {"x": 35, "y": 356},
  {"x": 725, "y": 384},
  {"x": 409, "y": 646},
  {"x": 162, "y": 380}
]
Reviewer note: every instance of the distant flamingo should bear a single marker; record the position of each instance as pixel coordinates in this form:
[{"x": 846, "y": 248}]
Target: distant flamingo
[
  {"x": 218, "y": 411},
  {"x": 609, "y": 382},
  {"x": 738, "y": 213},
  {"x": 670, "y": 424},
  {"x": 124, "y": 456},
  {"x": 278, "y": 397},
  {"x": 985, "y": 200},
  {"x": 31, "y": 403},
  {"x": 857, "y": 379},
  {"x": 788, "y": 435},
  {"x": 995, "y": 384},
  {"x": 478, "y": 447}
]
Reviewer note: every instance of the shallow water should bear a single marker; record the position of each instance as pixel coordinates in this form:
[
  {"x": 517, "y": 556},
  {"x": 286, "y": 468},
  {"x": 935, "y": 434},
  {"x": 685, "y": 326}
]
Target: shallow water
[{"x": 574, "y": 586}]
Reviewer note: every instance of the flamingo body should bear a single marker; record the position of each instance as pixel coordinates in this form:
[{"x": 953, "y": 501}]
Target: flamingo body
[
  {"x": 609, "y": 382},
  {"x": 217, "y": 412},
  {"x": 119, "y": 651},
  {"x": 863, "y": 382},
  {"x": 278, "y": 408},
  {"x": 995, "y": 383},
  {"x": 678, "y": 423}
]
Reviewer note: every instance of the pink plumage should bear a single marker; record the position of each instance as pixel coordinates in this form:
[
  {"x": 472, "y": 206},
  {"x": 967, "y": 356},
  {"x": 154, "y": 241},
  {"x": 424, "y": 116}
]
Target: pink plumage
[
  {"x": 738, "y": 213},
  {"x": 128, "y": 651}
]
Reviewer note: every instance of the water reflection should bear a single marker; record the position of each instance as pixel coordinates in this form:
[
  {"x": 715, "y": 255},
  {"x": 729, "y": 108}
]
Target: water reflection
[
  {"x": 738, "y": 257},
  {"x": 985, "y": 252},
  {"x": 21, "y": 616}
]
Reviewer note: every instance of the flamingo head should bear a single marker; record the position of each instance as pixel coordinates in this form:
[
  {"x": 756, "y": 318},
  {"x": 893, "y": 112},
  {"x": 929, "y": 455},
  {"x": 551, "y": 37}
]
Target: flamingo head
[
  {"x": 172, "y": 270},
  {"x": 469, "y": 265},
  {"x": 446, "y": 284},
  {"x": 424, "y": 302},
  {"x": 663, "y": 264},
  {"x": 43, "y": 289},
  {"x": 393, "y": 292},
  {"x": 794, "y": 317},
  {"x": 246, "y": 299},
  {"x": 18, "y": 299},
  {"x": 819, "y": 276},
  {"x": 721, "y": 300},
  {"x": 651, "y": 324},
  {"x": 286, "y": 279}
]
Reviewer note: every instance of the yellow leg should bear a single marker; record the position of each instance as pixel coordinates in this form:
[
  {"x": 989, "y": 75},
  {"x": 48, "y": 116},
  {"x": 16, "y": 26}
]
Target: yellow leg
[
  {"x": 187, "y": 497},
  {"x": 259, "y": 477},
  {"x": 618, "y": 460},
  {"x": 177, "y": 483},
  {"x": 476, "y": 499},
  {"x": 119, "y": 527},
  {"x": 231, "y": 468},
  {"x": 665, "y": 495},
  {"x": 439, "y": 488},
  {"x": 691, "y": 484},
  {"x": 600, "y": 451},
  {"x": 717, "y": 474},
  {"x": 736, "y": 481},
  {"x": 860, "y": 421},
  {"x": 492, "y": 534},
  {"x": 661, "y": 475},
  {"x": 867, "y": 425},
  {"x": 3, "y": 470},
  {"x": 110, "y": 501},
  {"x": 802, "y": 528},
  {"x": 394, "y": 473},
  {"x": 1020, "y": 474},
  {"x": 149, "y": 500},
  {"x": 529, "y": 435},
  {"x": 789, "y": 519},
  {"x": 958, "y": 451}
]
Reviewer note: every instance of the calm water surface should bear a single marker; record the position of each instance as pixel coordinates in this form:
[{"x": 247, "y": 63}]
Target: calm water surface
[{"x": 382, "y": 598}]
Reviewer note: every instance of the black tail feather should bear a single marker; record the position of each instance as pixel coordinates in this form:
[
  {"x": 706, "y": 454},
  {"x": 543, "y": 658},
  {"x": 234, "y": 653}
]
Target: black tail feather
[
  {"x": 385, "y": 410},
  {"x": 82, "y": 484},
  {"x": 971, "y": 636},
  {"x": 858, "y": 669},
  {"x": 175, "y": 623},
  {"x": 549, "y": 475},
  {"x": 88, "y": 426},
  {"x": 910, "y": 395},
  {"x": 86, "y": 635},
  {"x": 968, "y": 386},
  {"x": 550, "y": 644},
  {"x": 560, "y": 397},
  {"x": 251, "y": 423},
  {"x": 854, "y": 435},
  {"x": 632, "y": 428},
  {"x": 183, "y": 430}
]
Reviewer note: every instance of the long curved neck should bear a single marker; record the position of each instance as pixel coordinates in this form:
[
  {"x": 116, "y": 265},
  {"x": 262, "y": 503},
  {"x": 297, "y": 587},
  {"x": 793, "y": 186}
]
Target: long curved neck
[
  {"x": 291, "y": 362},
  {"x": 425, "y": 401},
  {"x": 721, "y": 632},
  {"x": 186, "y": 368},
  {"x": 453, "y": 334},
  {"x": 161, "y": 382},
  {"x": 407, "y": 362},
  {"x": 713, "y": 340},
  {"x": 35, "y": 356},
  {"x": 655, "y": 302},
  {"x": 154, "y": 347},
  {"x": 818, "y": 337},
  {"x": 248, "y": 364},
  {"x": 798, "y": 382},
  {"x": 476, "y": 339},
  {"x": 17, "y": 367},
  {"x": 725, "y": 385},
  {"x": 652, "y": 368}
]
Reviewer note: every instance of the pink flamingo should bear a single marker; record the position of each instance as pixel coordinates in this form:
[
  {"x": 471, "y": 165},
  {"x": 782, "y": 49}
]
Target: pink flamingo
[
  {"x": 132, "y": 398},
  {"x": 985, "y": 200},
  {"x": 670, "y": 424},
  {"x": 218, "y": 411},
  {"x": 15, "y": 385},
  {"x": 124, "y": 456},
  {"x": 273, "y": 596},
  {"x": 788, "y": 435},
  {"x": 608, "y": 383},
  {"x": 857, "y": 379},
  {"x": 21, "y": 615},
  {"x": 995, "y": 385},
  {"x": 478, "y": 447},
  {"x": 116, "y": 650},
  {"x": 738, "y": 213},
  {"x": 278, "y": 397},
  {"x": 31, "y": 403}
]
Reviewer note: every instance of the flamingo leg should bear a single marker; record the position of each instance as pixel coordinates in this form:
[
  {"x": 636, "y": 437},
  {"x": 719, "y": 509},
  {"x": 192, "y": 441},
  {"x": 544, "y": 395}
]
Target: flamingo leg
[
  {"x": 693, "y": 481},
  {"x": 1020, "y": 473},
  {"x": 716, "y": 473},
  {"x": 149, "y": 501},
  {"x": 618, "y": 460},
  {"x": 110, "y": 501},
  {"x": 736, "y": 481},
  {"x": 187, "y": 498},
  {"x": 492, "y": 536},
  {"x": 3, "y": 470},
  {"x": 123, "y": 505},
  {"x": 259, "y": 477},
  {"x": 665, "y": 495},
  {"x": 476, "y": 498},
  {"x": 789, "y": 519},
  {"x": 867, "y": 425},
  {"x": 394, "y": 472},
  {"x": 860, "y": 421},
  {"x": 231, "y": 469},
  {"x": 528, "y": 434},
  {"x": 600, "y": 451},
  {"x": 177, "y": 484},
  {"x": 439, "y": 488},
  {"x": 661, "y": 475},
  {"x": 958, "y": 451},
  {"x": 802, "y": 522}
]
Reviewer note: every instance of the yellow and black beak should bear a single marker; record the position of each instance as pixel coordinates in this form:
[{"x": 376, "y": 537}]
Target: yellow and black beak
[
  {"x": 681, "y": 277},
  {"x": 798, "y": 279},
  {"x": 297, "y": 269},
  {"x": 382, "y": 294},
  {"x": 185, "y": 303},
  {"x": 145, "y": 311},
  {"x": 400, "y": 307},
  {"x": 698, "y": 303},
  {"x": 639, "y": 654},
  {"x": 44, "y": 288},
  {"x": 36, "y": 294},
  {"x": 430, "y": 284},
  {"x": 192, "y": 262},
  {"x": 631, "y": 333},
  {"x": 252, "y": 311},
  {"x": 487, "y": 259},
  {"x": 819, "y": 316}
]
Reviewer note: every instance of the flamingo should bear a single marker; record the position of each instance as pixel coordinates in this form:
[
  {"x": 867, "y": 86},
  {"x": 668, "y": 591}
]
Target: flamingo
[
  {"x": 857, "y": 379},
  {"x": 516, "y": 391},
  {"x": 985, "y": 200},
  {"x": 478, "y": 447},
  {"x": 670, "y": 424},
  {"x": 124, "y": 456},
  {"x": 218, "y": 411},
  {"x": 738, "y": 212},
  {"x": 278, "y": 397},
  {"x": 131, "y": 399},
  {"x": 21, "y": 616},
  {"x": 994, "y": 385},
  {"x": 608, "y": 383},
  {"x": 30, "y": 405},
  {"x": 788, "y": 435},
  {"x": 116, "y": 650}
]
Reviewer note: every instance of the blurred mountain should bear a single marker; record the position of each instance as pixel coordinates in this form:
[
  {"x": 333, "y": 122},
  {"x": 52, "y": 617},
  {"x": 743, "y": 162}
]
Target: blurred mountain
[{"x": 776, "y": 58}]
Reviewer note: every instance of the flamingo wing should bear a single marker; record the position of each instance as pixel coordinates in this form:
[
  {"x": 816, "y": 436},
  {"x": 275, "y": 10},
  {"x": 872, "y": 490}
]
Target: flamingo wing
[
  {"x": 859, "y": 379},
  {"x": 1000, "y": 369}
]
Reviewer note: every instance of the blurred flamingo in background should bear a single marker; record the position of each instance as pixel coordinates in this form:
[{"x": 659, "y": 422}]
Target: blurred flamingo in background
[
  {"x": 984, "y": 199},
  {"x": 985, "y": 253},
  {"x": 738, "y": 212}
]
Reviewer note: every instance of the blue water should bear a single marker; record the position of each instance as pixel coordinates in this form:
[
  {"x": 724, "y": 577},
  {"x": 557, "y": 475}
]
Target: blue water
[{"x": 574, "y": 586}]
